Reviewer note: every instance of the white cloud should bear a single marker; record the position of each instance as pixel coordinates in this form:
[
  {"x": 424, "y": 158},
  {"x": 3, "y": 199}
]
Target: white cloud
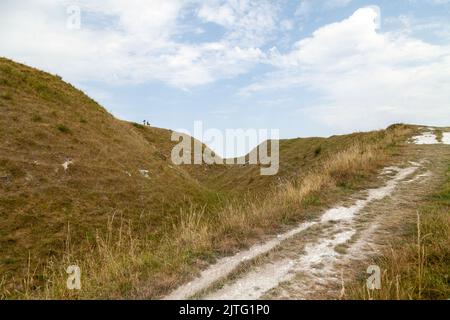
[
  {"x": 434, "y": 27},
  {"x": 330, "y": 4},
  {"x": 139, "y": 43},
  {"x": 248, "y": 22},
  {"x": 286, "y": 24},
  {"x": 361, "y": 73},
  {"x": 304, "y": 9},
  {"x": 354, "y": 68}
]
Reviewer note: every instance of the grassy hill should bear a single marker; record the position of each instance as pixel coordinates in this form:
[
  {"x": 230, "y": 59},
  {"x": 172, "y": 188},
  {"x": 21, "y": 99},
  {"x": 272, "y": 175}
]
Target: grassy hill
[
  {"x": 79, "y": 186},
  {"x": 45, "y": 123},
  {"x": 298, "y": 157}
]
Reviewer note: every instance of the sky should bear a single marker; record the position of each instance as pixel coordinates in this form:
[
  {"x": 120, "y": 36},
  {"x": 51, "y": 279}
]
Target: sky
[{"x": 305, "y": 67}]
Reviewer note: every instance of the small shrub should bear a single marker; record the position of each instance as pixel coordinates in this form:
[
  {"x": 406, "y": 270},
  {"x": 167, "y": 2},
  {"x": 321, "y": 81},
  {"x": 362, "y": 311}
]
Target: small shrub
[
  {"x": 62, "y": 128},
  {"x": 6, "y": 96},
  {"x": 439, "y": 135},
  {"x": 311, "y": 200},
  {"x": 137, "y": 125},
  {"x": 6, "y": 69},
  {"x": 36, "y": 118},
  {"x": 317, "y": 151}
]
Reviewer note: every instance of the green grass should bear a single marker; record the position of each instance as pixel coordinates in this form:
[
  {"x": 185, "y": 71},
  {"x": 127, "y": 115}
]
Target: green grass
[
  {"x": 311, "y": 200},
  {"x": 137, "y": 125},
  {"x": 417, "y": 266},
  {"x": 36, "y": 118},
  {"x": 6, "y": 96},
  {"x": 62, "y": 128},
  {"x": 135, "y": 236},
  {"x": 38, "y": 199},
  {"x": 439, "y": 135}
]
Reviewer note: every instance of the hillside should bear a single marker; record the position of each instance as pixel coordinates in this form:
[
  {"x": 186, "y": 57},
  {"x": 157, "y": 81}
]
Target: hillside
[
  {"x": 79, "y": 186},
  {"x": 399, "y": 224},
  {"x": 298, "y": 157},
  {"x": 46, "y": 123}
]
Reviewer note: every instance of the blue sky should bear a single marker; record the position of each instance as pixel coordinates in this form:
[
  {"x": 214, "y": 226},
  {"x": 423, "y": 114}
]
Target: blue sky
[{"x": 308, "y": 68}]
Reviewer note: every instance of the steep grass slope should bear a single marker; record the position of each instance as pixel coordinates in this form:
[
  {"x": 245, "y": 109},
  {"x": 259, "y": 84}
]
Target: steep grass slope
[
  {"x": 79, "y": 186},
  {"x": 298, "y": 157},
  {"x": 46, "y": 123}
]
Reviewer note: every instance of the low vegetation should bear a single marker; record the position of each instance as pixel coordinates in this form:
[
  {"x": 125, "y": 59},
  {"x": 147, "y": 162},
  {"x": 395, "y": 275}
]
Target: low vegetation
[
  {"x": 417, "y": 265},
  {"x": 439, "y": 135},
  {"x": 121, "y": 264},
  {"x": 64, "y": 161},
  {"x": 134, "y": 235}
]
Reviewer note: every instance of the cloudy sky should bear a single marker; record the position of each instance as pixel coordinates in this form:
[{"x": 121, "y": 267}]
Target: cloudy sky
[{"x": 306, "y": 67}]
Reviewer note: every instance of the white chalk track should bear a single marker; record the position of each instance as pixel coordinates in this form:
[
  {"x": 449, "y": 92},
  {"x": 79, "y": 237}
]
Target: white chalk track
[{"x": 259, "y": 280}]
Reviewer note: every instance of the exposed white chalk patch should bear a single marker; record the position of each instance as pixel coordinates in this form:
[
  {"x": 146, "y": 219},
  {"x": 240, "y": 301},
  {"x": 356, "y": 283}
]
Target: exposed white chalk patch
[
  {"x": 446, "y": 137},
  {"x": 66, "y": 164},
  {"x": 389, "y": 170},
  {"x": 268, "y": 276},
  {"x": 227, "y": 264},
  {"x": 260, "y": 280},
  {"x": 342, "y": 213},
  {"x": 256, "y": 283},
  {"x": 430, "y": 138},
  {"x": 144, "y": 173},
  {"x": 422, "y": 177},
  {"x": 425, "y": 138},
  {"x": 263, "y": 278}
]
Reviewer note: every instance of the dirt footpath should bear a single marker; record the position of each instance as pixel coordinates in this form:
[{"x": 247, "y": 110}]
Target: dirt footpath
[{"x": 317, "y": 258}]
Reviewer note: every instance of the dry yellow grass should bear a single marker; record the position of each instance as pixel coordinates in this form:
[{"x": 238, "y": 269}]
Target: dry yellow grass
[
  {"x": 43, "y": 123},
  {"x": 115, "y": 266},
  {"x": 170, "y": 224},
  {"x": 417, "y": 263}
]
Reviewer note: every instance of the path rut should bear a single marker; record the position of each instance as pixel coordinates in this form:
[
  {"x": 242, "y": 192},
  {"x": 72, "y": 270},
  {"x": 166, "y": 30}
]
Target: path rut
[{"x": 309, "y": 259}]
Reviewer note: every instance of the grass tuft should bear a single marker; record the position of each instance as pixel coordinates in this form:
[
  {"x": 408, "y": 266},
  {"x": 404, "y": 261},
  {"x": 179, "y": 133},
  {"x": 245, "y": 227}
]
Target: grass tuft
[
  {"x": 62, "y": 128},
  {"x": 6, "y": 96}
]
